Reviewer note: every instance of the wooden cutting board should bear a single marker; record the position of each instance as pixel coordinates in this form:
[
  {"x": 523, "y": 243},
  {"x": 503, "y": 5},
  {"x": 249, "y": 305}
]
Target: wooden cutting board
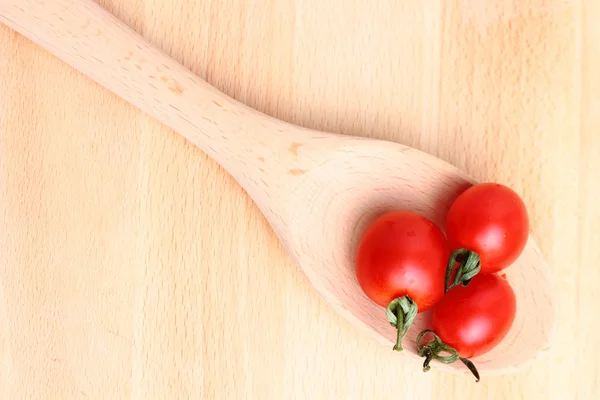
[{"x": 132, "y": 266}]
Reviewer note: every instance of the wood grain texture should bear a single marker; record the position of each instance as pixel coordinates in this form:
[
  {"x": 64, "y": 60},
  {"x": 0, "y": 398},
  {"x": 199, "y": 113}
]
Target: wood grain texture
[
  {"x": 133, "y": 266},
  {"x": 317, "y": 190}
]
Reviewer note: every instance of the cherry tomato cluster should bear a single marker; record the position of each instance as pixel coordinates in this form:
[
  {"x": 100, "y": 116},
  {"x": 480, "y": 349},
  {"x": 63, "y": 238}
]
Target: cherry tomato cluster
[{"x": 406, "y": 264}]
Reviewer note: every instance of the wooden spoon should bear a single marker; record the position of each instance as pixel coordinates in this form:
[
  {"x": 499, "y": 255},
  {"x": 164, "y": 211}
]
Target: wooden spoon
[{"x": 318, "y": 190}]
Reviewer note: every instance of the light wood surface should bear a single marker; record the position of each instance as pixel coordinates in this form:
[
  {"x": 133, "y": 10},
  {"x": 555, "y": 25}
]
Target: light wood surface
[
  {"x": 299, "y": 178},
  {"x": 134, "y": 266}
]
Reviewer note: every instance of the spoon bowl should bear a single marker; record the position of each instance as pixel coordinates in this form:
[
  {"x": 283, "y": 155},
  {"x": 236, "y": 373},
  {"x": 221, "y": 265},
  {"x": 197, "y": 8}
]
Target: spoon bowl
[
  {"x": 317, "y": 190},
  {"x": 362, "y": 179}
]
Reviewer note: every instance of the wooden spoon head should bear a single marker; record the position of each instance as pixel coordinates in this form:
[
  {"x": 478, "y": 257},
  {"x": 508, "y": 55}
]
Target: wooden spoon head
[{"x": 361, "y": 179}]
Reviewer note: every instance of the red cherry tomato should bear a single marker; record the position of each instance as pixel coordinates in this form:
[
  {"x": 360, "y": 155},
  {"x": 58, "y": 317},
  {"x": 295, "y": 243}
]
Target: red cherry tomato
[
  {"x": 491, "y": 220},
  {"x": 402, "y": 254},
  {"x": 475, "y": 318}
]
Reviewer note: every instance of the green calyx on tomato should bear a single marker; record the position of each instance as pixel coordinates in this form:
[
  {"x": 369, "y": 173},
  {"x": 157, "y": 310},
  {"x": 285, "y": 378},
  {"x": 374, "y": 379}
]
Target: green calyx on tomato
[
  {"x": 469, "y": 266},
  {"x": 433, "y": 349},
  {"x": 401, "y": 313}
]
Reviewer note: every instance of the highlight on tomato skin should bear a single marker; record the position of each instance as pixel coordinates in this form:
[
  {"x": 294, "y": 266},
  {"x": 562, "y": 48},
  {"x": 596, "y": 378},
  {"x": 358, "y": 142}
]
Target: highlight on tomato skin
[
  {"x": 400, "y": 264},
  {"x": 491, "y": 220}
]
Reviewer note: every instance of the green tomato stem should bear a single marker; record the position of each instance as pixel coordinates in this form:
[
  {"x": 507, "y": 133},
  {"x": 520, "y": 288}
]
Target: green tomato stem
[
  {"x": 431, "y": 351},
  {"x": 400, "y": 331},
  {"x": 401, "y": 313},
  {"x": 469, "y": 266},
  {"x": 471, "y": 367}
]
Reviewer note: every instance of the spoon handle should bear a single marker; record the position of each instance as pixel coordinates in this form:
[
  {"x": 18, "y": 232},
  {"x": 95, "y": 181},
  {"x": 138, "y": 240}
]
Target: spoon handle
[{"x": 93, "y": 41}]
